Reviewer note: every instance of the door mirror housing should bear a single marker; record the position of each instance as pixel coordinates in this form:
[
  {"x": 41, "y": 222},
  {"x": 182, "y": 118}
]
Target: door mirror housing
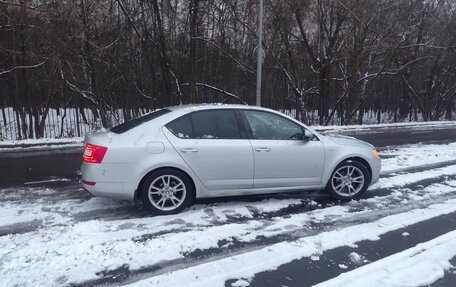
[{"x": 307, "y": 135}]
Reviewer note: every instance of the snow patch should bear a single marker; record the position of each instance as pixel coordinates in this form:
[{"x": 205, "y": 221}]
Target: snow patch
[
  {"x": 403, "y": 157},
  {"x": 403, "y": 179},
  {"x": 418, "y": 266},
  {"x": 248, "y": 264},
  {"x": 240, "y": 283},
  {"x": 42, "y": 141},
  {"x": 338, "y": 128},
  {"x": 356, "y": 258}
]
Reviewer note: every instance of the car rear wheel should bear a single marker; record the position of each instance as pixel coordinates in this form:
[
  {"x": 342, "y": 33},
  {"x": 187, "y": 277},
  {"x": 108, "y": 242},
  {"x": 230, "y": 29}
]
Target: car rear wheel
[
  {"x": 349, "y": 180},
  {"x": 167, "y": 191}
]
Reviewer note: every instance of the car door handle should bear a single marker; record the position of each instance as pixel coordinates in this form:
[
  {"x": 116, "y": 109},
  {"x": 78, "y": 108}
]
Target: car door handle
[
  {"x": 189, "y": 150},
  {"x": 262, "y": 149}
]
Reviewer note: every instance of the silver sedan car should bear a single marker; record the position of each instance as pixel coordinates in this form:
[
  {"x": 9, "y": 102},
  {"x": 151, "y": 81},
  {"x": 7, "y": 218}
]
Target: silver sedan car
[{"x": 173, "y": 155}]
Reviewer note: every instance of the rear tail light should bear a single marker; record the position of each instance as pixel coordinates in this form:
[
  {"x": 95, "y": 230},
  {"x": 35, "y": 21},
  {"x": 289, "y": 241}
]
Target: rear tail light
[
  {"x": 94, "y": 153},
  {"x": 86, "y": 182}
]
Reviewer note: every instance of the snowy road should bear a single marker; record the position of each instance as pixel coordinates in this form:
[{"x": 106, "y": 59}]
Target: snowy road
[{"x": 402, "y": 233}]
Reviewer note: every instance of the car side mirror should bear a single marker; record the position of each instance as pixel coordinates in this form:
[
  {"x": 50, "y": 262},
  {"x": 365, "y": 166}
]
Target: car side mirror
[{"x": 307, "y": 135}]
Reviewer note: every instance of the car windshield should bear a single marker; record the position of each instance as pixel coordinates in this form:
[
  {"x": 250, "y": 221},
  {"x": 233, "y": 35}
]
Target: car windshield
[{"x": 138, "y": 121}]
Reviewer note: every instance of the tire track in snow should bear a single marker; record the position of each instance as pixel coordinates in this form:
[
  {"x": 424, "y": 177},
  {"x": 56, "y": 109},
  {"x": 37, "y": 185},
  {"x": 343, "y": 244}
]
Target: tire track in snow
[
  {"x": 414, "y": 169},
  {"x": 81, "y": 209},
  {"x": 420, "y": 265},
  {"x": 123, "y": 211},
  {"x": 330, "y": 264},
  {"x": 310, "y": 225},
  {"x": 48, "y": 194},
  {"x": 246, "y": 265}
]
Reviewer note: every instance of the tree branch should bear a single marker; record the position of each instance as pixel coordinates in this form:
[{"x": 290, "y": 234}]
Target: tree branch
[
  {"x": 244, "y": 67},
  {"x": 23, "y": 67},
  {"x": 218, "y": 90}
]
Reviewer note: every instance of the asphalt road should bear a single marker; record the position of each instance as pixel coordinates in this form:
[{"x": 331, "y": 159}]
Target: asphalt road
[
  {"x": 401, "y": 136},
  {"x": 296, "y": 273}
]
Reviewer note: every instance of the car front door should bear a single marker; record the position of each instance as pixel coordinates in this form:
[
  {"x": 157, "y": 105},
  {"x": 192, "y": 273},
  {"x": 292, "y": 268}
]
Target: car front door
[
  {"x": 216, "y": 148},
  {"x": 283, "y": 156}
]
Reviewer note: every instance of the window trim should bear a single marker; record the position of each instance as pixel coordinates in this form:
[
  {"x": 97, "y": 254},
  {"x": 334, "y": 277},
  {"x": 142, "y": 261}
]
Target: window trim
[
  {"x": 242, "y": 130},
  {"x": 249, "y": 129},
  {"x": 138, "y": 121}
]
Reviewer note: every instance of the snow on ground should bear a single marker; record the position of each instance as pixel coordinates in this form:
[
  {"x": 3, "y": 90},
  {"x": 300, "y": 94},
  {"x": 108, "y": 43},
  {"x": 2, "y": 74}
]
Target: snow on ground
[
  {"x": 435, "y": 124},
  {"x": 97, "y": 245},
  {"x": 73, "y": 251},
  {"x": 418, "y": 266},
  {"x": 75, "y": 238},
  {"x": 40, "y": 144},
  {"x": 51, "y": 213},
  {"x": 215, "y": 273},
  {"x": 416, "y": 155},
  {"x": 408, "y": 178},
  {"x": 42, "y": 141},
  {"x": 75, "y": 146}
]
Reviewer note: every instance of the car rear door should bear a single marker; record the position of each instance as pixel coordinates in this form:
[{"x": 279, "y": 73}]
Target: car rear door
[
  {"x": 214, "y": 145},
  {"x": 283, "y": 158}
]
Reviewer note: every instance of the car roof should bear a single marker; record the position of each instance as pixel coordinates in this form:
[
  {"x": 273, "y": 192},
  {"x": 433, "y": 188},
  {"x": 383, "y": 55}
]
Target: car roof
[{"x": 212, "y": 107}]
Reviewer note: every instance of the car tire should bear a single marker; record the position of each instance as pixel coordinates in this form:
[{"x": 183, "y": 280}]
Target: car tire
[
  {"x": 349, "y": 180},
  {"x": 167, "y": 191}
]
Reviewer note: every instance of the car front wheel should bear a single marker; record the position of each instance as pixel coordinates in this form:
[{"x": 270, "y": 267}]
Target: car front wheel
[
  {"x": 167, "y": 191},
  {"x": 349, "y": 180}
]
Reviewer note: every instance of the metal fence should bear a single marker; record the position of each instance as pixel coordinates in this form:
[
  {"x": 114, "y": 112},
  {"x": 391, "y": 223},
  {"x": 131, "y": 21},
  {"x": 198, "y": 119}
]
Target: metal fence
[
  {"x": 75, "y": 122},
  {"x": 59, "y": 123}
]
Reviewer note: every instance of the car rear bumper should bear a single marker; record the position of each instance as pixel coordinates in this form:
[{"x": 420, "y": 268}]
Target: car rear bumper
[
  {"x": 110, "y": 180},
  {"x": 109, "y": 190}
]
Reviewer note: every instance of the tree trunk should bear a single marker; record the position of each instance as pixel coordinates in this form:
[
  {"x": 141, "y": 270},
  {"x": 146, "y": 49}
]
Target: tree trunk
[
  {"x": 165, "y": 63},
  {"x": 324, "y": 93},
  {"x": 194, "y": 7},
  {"x": 449, "y": 109}
]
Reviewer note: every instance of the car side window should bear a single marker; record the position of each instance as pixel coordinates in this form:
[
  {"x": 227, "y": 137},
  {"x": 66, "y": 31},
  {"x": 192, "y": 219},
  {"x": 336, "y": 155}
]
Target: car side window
[
  {"x": 269, "y": 126},
  {"x": 216, "y": 124},
  {"x": 182, "y": 127},
  {"x": 212, "y": 124}
]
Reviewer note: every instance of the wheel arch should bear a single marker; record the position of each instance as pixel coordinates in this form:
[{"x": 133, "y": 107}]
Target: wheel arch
[
  {"x": 357, "y": 159},
  {"x": 143, "y": 179}
]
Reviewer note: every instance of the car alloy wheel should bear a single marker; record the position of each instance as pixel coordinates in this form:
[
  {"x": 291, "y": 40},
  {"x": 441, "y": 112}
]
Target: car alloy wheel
[
  {"x": 349, "y": 180},
  {"x": 167, "y": 191}
]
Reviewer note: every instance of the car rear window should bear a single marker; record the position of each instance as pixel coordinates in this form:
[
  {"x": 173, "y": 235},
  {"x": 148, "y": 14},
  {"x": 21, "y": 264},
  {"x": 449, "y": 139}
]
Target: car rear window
[{"x": 136, "y": 122}]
